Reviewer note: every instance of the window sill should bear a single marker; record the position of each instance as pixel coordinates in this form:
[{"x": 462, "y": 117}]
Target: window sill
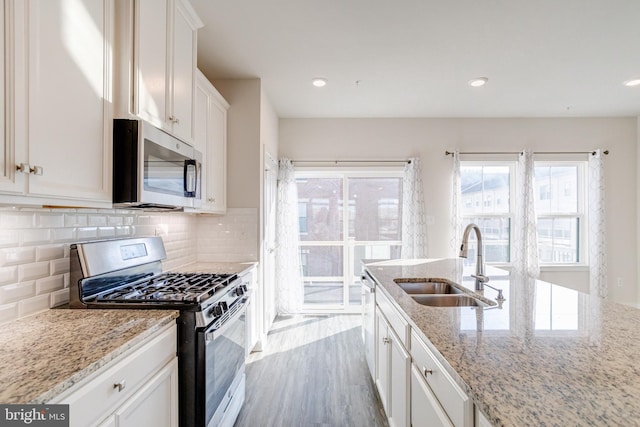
[{"x": 550, "y": 267}]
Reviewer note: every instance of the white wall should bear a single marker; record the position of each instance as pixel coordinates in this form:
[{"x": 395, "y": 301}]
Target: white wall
[{"x": 429, "y": 138}]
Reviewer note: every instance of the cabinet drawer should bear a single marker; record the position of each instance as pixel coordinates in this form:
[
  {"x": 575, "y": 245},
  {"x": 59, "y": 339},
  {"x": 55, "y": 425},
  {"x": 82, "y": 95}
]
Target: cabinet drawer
[
  {"x": 395, "y": 319},
  {"x": 453, "y": 399},
  {"x": 100, "y": 394}
]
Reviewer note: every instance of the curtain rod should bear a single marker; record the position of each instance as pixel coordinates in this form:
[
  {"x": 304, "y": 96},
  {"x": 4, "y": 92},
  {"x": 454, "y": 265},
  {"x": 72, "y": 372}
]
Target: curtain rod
[
  {"x": 351, "y": 161},
  {"x": 593, "y": 153}
]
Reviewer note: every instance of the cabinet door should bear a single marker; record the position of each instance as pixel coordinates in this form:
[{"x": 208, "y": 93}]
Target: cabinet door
[
  {"x": 156, "y": 404},
  {"x": 425, "y": 409},
  {"x": 399, "y": 384},
  {"x": 7, "y": 155},
  {"x": 383, "y": 366},
  {"x": 151, "y": 60},
  {"x": 67, "y": 120},
  {"x": 216, "y": 193},
  {"x": 183, "y": 77}
]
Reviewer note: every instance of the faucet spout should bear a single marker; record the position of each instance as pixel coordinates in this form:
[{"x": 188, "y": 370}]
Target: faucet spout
[{"x": 479, "y": 276}]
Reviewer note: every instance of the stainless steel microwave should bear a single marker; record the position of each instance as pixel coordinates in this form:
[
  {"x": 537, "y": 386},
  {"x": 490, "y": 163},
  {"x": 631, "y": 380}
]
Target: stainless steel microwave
[{"x": 152, "y": 169}]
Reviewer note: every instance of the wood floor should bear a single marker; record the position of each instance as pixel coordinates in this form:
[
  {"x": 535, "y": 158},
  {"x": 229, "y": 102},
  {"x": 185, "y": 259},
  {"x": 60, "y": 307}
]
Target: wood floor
[{"x": 312, "y": 374}]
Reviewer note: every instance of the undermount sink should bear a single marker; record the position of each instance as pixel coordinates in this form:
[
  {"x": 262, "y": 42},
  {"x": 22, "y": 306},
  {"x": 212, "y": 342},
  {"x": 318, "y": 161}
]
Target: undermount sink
[
  {"x": 427, "y": 286},
  {"x": 444, "y": 300}
]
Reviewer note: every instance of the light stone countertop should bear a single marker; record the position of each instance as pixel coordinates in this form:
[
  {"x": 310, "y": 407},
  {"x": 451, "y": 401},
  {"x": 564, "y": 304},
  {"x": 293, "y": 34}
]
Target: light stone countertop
[
  {"x": 551, "y": 356},
  {"x": 45, "y": 354}
]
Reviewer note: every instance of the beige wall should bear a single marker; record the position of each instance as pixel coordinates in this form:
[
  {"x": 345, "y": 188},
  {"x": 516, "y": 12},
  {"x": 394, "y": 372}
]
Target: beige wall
[
  {"x": 429, "y": 138},
  {"x": 243, "y": 141}
]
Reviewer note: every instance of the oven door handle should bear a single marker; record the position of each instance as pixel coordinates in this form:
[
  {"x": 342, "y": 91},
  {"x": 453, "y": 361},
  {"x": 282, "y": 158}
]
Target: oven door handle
[{"x": 210, "y": 336}]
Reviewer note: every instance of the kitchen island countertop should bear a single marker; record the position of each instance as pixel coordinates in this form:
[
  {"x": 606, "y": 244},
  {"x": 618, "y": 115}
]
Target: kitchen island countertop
[
  {"x": 550, "y": 356},
  {"x": 45, "y": 354}
]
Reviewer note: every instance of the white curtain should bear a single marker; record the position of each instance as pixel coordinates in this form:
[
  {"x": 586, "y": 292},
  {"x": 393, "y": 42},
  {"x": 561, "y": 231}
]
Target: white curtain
[
  {"x": 597, "y": 248},
  {"x": 414, "y": 226},
  {"x": 456, "y": 214},
  {"x": 288, "y": 277},
  {"x": 525, "y": 235}
]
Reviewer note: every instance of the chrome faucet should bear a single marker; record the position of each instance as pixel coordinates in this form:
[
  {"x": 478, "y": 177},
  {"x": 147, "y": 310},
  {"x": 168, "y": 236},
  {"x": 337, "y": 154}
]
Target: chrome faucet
[{"x": 481, "y": 279}]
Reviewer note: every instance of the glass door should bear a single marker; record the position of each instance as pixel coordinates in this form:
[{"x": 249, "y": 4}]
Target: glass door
[{"x": 345, "y": 217}]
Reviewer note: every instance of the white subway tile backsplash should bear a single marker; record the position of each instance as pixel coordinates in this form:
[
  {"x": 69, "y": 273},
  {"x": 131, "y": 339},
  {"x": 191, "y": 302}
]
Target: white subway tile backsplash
[
  {"x": 17, "y": 292},
  {"x": 8, "y": 238},
  {"x": 86, "y": 233},
  {"x": 59, "y": 297},
  {"x": 35, "y": 236},
  {"x": 49, "y": 284},
  {"x": 17, "y": 219},
  {"x": 106, "y": 232},
  {"x": 49, "y": 252},
  {"x": 59, "y": 266},
  {"x": 76, "y": 220},
  {"x": 60, "y": 235},
  {"x": 16, "y": 256},
  {"x": 115, "y": 220},
  {"x": 8, "y": 275},
  {"x": 33, "y": 271},
  {"x": 8, "y": 312},
  {"x": 33, "y": 305},
  {"x": 50, "y": 220},
  {"x": 97, "y": 220}
]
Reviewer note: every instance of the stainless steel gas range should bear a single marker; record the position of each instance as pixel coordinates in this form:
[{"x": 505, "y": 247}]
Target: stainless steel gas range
[{"x": 127, "y": 274}]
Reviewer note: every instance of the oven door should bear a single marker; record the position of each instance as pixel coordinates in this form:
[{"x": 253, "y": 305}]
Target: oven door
[{"x": 225, "y": 358}]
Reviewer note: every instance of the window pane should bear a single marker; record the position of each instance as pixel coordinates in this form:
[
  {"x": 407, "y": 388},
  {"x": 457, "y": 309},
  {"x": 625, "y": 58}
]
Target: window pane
[
  {"x": 375, "y": 208},
  {"x": 320, "y": 208},
  {"x": 556, "y": 189},
  {"x": 495, "y": 239},
  {"x": 322, "y": 269},
  {"x": 321, "y": 261},
  {"x": 484, "y": 189},
  {"x": 360, "y": 252},
  {"x": 558, "y": 240}
]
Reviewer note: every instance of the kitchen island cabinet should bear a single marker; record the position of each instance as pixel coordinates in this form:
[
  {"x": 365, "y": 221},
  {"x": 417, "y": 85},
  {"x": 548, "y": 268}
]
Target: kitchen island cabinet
[
  {"x": 57, "y": 139},
  {"x": 547, "y": 356}
]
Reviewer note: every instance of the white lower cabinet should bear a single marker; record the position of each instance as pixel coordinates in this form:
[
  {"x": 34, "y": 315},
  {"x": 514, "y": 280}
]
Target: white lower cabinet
[
  {"x": 425, "y": 408},
  {"x": 453, "y": 400},
  {"x": 481, "y": 420},
  {"x": 392, "y": 374},
  {"x": 139, "y": 388}
]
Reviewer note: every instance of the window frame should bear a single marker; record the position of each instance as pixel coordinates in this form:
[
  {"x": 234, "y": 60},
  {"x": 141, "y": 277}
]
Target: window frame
[
  {"x": 580, "y": 214},
  {"x": 510, "y": 214},
  {"x": 347, "y": 244}
]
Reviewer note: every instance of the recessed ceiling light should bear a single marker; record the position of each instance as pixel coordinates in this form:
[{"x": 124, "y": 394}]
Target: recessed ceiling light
[
  {"x": 478, "y": 81},
  {"x": 632, "y": 82},
  {"x": 319, "y": 81}
]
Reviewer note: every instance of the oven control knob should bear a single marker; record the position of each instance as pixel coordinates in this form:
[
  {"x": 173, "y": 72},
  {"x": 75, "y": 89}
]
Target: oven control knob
[
  {"x": 224, "y": 307},
  {"x": 239, "y": 291},
  {"x": 216, "y": 310}
]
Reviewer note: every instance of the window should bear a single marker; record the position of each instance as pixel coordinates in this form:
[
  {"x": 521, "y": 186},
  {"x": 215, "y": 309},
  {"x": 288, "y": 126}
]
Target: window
[
  {"x": 488, "y": 197},
  {"x": 345, "y": 217},
  {"x": 481, "y": 184},
  {"x": 561, "y": 221}
]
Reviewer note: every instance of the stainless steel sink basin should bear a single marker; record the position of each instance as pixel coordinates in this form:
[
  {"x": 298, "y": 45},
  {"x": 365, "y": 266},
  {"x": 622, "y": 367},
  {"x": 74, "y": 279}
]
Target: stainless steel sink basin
[
  {"x": 427, "y": 286},
  {"x": 444, "y": 300}
]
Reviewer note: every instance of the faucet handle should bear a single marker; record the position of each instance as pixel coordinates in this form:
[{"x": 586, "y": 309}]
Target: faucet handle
[{"x": 480, "y": 278}]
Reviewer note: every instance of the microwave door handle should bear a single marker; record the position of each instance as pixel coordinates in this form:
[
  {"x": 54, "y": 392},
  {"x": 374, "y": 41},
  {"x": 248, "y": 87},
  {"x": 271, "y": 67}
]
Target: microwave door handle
[{"x": 190, "y": 178}]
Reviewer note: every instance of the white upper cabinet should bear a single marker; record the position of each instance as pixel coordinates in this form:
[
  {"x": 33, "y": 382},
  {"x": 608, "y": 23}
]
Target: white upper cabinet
[
  {"x": 157, "y": 51},
  {"x": 211, "y": 140},
  {"x": 57, "y": 75}
]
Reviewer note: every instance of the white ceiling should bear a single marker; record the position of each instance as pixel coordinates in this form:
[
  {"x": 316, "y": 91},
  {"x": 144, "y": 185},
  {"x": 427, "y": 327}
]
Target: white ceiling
[{"x": 413, "y": 58}]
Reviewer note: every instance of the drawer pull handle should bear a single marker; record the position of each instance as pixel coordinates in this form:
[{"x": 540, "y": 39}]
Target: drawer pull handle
[
  {"x": 120, "y": 386},
  {"x": 426, "y": 371},
  {"x": 386, "y": 340}
]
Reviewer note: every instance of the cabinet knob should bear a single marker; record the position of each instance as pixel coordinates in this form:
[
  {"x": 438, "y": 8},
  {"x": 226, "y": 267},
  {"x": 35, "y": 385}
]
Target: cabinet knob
[
  {"x": 27, "y": 168},
  {"x": 121, "y": 385},
  {"x": 211, "y": 199},
  {"x": 174, "y": 119},
  {"x": 386, "y": 340},
  {"x": 426, "y": 371}
]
